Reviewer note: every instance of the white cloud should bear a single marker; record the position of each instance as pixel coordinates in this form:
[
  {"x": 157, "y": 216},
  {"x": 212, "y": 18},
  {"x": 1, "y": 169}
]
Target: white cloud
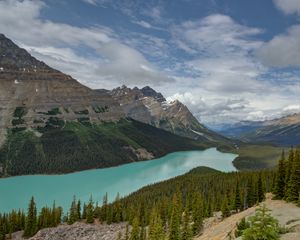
[
  {"x": 288, "y": 6},
  {"x": 20, "y": 21},
  {"x": 283, "y": 50},
  {"x": 222, "y": 54},
  {"x": 93, "y": 2}
]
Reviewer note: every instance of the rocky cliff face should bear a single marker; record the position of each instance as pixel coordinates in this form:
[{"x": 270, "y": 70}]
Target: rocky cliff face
[
  {"x": 31, "y": 93},
  {"x": 148, "y": 106}
]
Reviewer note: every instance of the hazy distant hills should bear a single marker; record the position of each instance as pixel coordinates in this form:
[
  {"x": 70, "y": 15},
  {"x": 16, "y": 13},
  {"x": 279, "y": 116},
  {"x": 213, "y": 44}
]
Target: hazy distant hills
[
  {"x": 282, "y": 131},
  {"x": 49, "y": 122}
]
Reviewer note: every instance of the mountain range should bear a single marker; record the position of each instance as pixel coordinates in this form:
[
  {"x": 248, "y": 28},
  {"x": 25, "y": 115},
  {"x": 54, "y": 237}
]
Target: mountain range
[
  {"x": 284, "y": 131},
  {"x": 50, "y": 123}
]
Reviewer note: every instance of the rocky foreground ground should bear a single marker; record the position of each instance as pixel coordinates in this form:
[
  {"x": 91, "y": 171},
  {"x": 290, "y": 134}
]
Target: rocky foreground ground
[
  {"x": 287, "y": 214},
  {"x": 78, "y": 231}
]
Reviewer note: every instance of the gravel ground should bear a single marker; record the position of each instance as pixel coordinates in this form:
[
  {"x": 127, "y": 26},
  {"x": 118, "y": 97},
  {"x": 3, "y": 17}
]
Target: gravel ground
[
  {"x": 287, "y": 214},
  {"x": 78, "y": 231}
]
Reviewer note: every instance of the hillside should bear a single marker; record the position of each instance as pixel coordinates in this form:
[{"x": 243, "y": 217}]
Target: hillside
[{"x": 74, "y": 146}]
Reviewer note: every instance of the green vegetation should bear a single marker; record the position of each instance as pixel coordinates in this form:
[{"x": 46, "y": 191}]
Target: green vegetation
[
  {"x": 72, "y": 146},
  {"x": 17, "y": 121},
  {"x": 262, "y": 226},
  {"x": 18, "y": 117},
  {"x": 53, "y": 111},
  {"x": 254, "y": 157},
  {"x": 98, "y": 109},
  {"x": 19, "y": 112}
]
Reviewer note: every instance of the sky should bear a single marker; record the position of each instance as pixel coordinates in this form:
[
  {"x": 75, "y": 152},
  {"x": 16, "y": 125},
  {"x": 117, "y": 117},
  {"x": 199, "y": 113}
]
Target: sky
[{"x": 227, "y": 60}]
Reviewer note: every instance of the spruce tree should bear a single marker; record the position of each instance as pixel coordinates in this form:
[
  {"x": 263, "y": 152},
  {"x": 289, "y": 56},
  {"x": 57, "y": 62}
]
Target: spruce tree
[
  {"x": 31, "y": 220},
  {"x": 90, "y": 211},
  {"x": 79, "y": 209},
  {"x": 293, "y": 187},
  {"x": 197, "y": 213},
  {"x": 135, "y": 232},
  {"x": 241, "y": 227},
  {"x": 175, "y": 220},
  {"x": 187, "y": 232},
  {"x": 281, "y": 178},
  {"x": 225, "y": 208},
  {"x": 117, "y": 215},
  {"x": 262, "y": 226},
  {"x": 156, "y": 231},
  {"x": 73, "y": 214},
  {"x": 260, "y": 191},
  {"x": 2, "y": 232},
  {"x": 237, "y": 200},
  {"x": 289, "y": 168},
  {"x": 250, "y": 197}
]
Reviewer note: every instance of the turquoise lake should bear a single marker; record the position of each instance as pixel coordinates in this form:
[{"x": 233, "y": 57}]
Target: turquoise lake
[{"x": 15, "y": 192}]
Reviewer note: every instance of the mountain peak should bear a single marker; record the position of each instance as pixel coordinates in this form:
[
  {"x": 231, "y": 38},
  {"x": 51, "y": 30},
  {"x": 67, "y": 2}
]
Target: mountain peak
[
  {"x": 150, "y": 92},
  {"x": 15, "y": 58}
]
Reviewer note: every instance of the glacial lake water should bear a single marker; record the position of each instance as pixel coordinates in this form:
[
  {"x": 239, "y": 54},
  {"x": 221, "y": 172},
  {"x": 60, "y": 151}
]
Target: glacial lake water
[{"x": 15, "y": 192}]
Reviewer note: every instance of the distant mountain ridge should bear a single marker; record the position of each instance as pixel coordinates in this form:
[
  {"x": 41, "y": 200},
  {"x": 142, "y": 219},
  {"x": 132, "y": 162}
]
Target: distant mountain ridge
[
  {"x": 282, "y": 131},
  {"x": 50, "y": 123}
]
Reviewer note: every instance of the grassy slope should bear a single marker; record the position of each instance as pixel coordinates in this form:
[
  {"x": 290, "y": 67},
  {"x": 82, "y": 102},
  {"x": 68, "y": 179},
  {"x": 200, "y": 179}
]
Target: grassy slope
[{"x": 79, "y": 146}]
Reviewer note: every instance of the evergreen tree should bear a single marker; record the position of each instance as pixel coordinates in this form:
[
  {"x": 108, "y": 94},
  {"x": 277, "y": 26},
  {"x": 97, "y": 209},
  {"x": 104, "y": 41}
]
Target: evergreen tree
[
  {"x": 135, "y": 232},
  {"x": 31, "y": 220},
  {"x": 156, "y": 231},
  {"x": 241, "y": 227},
  {"x": 250, "y": 197},
  {"x": 262, "y": 226},
  {"x": 197, "y": 213},
  {"x": 260, "y": 191},
  {"x": 293, "y": 187},
  {"x": 73, "y": 214},
  {"x": 281, "y": 178},
  {"x": 117, "y": 215},
  {"x": 225, "y": 208},
  {"x": 2, "y": 232},
  {"x": 79, "y": 209},
  {"x": 104, "y": 209},
  {"x": 237, "y": 200},
  {"x": 175, "y": 220},
  {"x": 187, "y": 232},
  {"x": 90, "y": 211},
  {"x": 289, "y": 168}
]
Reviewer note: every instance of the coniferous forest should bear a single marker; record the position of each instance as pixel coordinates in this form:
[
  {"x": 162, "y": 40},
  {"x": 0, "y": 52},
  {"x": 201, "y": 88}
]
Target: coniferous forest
[{"x": 173, "y": 209}]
